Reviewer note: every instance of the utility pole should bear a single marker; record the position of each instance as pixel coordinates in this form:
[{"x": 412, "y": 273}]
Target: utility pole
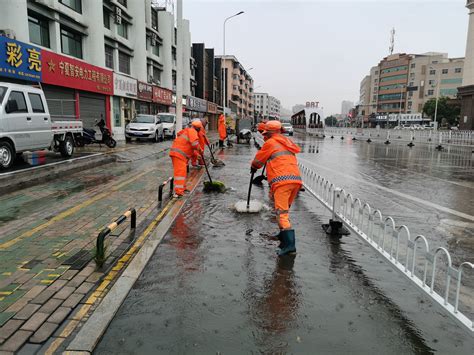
[{"x": 179, "y": 67}]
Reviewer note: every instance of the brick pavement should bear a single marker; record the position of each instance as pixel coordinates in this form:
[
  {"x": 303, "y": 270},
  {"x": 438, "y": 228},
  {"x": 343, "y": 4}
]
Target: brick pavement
[{"x": 43, "y": 226}]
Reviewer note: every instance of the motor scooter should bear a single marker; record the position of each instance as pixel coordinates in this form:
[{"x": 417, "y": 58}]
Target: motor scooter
[{"x": 88, "y": 136}]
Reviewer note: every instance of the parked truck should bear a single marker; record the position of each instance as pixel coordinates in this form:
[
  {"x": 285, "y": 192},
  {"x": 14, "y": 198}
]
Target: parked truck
[{"x": 26, "y": 125}]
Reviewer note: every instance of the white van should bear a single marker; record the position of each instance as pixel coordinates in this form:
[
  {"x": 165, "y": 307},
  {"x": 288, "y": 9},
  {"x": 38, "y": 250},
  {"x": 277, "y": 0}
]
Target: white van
[{"x": 169, "y": 124}]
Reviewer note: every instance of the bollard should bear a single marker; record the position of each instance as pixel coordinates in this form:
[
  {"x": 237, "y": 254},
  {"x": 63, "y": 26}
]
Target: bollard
[
  {"x": 388, "y": 138},
  {"x": 335, "y": 228},
  {"x": 100, "y": 248},
  {"x": 411, "y": 144},
  {"x": 429, "y": 136},
  {"x": 160, "y": 188},
  {"x": 440, "y": 146}
]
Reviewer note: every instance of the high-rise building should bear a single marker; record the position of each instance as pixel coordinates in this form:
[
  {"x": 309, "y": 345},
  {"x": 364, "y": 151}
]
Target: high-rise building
[
  {"x": 403, "y": 83},
  {"x": 267, "y": 106},
  {"x": 346, "y": 106},
  {"x": 466, "y": 92},
  {"x": 239, "y": 86},
  {"x": 100, "y": 58}
]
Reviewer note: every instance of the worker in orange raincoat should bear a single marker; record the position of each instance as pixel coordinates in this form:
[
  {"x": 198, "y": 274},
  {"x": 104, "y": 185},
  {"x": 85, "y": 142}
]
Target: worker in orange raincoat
[
  {"x": 222, "y": 129},
  {"x": 284, "y": 178},
  {"x": 261, "y": 125},
  {"x": 196, "y": 160},
  {"x": 182, "y": 149}
]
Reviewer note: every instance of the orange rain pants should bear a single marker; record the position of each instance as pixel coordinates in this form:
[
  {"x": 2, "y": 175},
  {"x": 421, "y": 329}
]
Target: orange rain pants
[
  {"x": 283, "y": 196},
  {"x": 180, "y": 171}
]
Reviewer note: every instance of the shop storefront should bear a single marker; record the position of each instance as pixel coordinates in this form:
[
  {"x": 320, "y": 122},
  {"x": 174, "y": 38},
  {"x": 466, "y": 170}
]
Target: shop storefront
[
  {"x": 162, "y": 100},
  {"x": 212, "y": 116},
  {"x": 69, "y": 81},
  {"x": 196, "y": 107},
  {"x": 145, "y": 97},
  {"x": 123, "y": 105}
]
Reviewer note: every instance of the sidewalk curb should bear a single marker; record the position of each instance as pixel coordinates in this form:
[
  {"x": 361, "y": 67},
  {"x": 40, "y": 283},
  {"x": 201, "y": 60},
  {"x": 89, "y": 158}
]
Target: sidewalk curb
[{"x": 92, "y": 331}]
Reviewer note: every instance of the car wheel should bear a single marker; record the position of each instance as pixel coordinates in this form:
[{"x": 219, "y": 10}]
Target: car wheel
[
  {"x": 6, "y": 155},
  {"x": 157, "y": 137},
  {"x": 66, "y": 147},
  {"x": 128, "y": 139}
]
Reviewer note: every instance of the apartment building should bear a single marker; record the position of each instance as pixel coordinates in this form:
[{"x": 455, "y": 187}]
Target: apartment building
[
  {"x": 267, "y": 106},
  {"x": 346, "y": 107},
  {"x": 239, "y": 98},
  {"x": 403, "y": 83},
  {"x": 99, "y": 58},
  {"x": 466, "y": 92}
]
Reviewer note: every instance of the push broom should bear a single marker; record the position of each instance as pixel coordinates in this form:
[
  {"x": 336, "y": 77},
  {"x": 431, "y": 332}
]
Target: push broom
[{"x": 212, "y": 186}]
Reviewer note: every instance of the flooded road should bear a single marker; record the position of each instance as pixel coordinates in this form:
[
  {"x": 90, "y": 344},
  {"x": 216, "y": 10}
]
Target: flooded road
[{"x": 215, "y": 285}]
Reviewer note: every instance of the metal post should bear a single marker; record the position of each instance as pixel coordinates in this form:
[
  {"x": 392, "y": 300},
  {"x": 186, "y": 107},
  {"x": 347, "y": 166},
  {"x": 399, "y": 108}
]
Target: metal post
[
  {"x": 400, "y": 109},
  {"x": 179, "y": 67}
]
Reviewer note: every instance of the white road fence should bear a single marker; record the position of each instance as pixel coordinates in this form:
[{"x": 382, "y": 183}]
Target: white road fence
[
  {"x": 463, "y": 138},
  {"x": 430, "y": 270}
]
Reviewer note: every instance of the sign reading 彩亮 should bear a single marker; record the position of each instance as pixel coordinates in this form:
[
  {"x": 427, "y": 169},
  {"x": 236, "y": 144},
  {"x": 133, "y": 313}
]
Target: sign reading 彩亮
[
  {"x": 20, "y": 60},
  {"x": 125, "y": 86}
]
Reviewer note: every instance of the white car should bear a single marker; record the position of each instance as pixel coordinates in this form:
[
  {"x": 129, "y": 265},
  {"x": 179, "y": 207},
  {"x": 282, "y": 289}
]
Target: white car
[
  {"x": 145, "y": 127},
  {"x": 169, "y": 124},
  {"x": 288, "y": 128}
]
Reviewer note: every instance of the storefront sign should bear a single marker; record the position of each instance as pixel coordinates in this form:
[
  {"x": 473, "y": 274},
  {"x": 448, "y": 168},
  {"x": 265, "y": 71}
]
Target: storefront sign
[
  {"x": 125, "y": 86},
  {"x": 183, "y": 101},
  {"x": 145, "y": 91},
  {"x": 196, "y": 104},
  {"x": 19, "y": 60},
  {"x": 64, "y": 71},
  {"x": 162, "y": 96},
  {"x": 211, "y": 107}
]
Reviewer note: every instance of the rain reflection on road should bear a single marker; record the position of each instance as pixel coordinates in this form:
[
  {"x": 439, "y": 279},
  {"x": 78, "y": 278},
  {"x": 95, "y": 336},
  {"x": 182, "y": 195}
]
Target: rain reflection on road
[{"x": 215, "y": 285}]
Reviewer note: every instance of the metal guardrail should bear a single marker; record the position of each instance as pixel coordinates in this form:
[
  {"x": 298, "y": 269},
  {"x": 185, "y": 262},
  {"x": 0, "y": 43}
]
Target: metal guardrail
[
  {"x": 170, "y": 181},
  {"x": 100, "y": 248},
  {"x": 394, "y": 243},
  {"x": 461, "y": 138}
]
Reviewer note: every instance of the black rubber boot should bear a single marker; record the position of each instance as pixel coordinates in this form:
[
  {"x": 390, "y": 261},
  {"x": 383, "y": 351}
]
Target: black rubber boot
[
  {"x": 221, "y": 144},
  {"x": 277, "y": 237},
  {"x": 288, "y": 242}
]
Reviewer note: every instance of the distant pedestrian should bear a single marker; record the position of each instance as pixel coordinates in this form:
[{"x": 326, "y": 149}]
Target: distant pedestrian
[{"x": 283, "y": 175}]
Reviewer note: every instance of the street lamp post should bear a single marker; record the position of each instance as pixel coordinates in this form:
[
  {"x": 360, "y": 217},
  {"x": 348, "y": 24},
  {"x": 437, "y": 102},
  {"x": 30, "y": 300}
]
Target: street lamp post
[
  {"x": 223, "y": 62},
  {"x": 437, "y": 96},
  {"x": 400, "y": 108}
]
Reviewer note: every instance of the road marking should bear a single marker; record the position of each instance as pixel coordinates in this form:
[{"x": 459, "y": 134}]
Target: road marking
[
  {"x": 69, "y": 212},
  {"x": 395, "y": 192}
]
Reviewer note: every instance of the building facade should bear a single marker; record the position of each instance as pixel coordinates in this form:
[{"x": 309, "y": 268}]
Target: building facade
[
  {"x": 346, "y": 106},
  {"x": 403, "y": 83},
  {"x": 466, "y": 92},
  {"x": 132, "y": 40},
  {"x": 239, "y": 86},
  {"x": 267, "y": 106}
]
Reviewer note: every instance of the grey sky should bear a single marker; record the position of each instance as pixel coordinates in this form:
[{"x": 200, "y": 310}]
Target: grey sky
[{"x": 321, "y": 50}]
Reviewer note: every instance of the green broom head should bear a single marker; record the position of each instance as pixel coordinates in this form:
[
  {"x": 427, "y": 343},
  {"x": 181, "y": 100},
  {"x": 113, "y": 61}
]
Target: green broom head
[{"x": 215, "y": 186}]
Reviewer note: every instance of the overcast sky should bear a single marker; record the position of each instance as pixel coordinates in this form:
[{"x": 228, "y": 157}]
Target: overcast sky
[{"x": 320, "y": 50}]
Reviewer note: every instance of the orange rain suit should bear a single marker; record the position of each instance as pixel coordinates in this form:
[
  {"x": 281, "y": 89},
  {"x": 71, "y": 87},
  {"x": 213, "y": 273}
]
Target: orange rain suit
[
  {"x": 203, "y": 141},
  {"x": 283, "y": 174},
  {"x": 221, "y": 127},
  {"x": 182, "y": 149}
]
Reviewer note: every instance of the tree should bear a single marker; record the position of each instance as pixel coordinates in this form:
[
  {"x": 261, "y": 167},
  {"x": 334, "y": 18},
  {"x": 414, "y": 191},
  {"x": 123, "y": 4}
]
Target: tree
[
  {"x": 330, "y": 121},
  {"x": 446, "y": 110}
]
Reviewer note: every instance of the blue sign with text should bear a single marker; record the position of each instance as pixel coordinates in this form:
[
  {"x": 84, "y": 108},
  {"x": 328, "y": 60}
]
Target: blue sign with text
[{"x": 19, "y": 60}]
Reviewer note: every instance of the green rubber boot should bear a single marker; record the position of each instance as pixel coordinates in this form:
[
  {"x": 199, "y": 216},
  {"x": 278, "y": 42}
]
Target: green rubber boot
[{"x": 287, "y": 242}]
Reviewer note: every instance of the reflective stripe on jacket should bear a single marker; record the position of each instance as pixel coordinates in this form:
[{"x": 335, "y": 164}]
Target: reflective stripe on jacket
[
  {"x": 279, "y": 153},
  {"x": 186, "y": 142}
]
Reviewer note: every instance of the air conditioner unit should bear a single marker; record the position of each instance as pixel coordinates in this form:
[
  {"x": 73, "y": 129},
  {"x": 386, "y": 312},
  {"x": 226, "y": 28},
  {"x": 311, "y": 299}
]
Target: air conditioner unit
[
  {"x": 8, "y": 33},
  {"x": 118, "y": 15}
]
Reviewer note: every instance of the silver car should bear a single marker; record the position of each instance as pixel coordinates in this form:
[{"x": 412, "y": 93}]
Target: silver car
[{"x": 145, "y": 127}]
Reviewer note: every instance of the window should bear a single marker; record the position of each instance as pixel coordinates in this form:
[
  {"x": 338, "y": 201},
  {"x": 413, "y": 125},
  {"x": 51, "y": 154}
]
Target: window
[
  {"x": 175, "y": 35},
  {"x": 16, "y": 103},
  {"x": 395, "y": 69},
  {"x": 457, "y": 70},
  {"x": 124, "y": 63},
  {"x": 39, "y": 30},
  {"x": 396, "y": 77},
  {"x": 448, "y": 92},
  {"x": 156, "y": 74},
  {"x": 156, "y": 49},
  {"x": 36, "y": 103},
  {"x": 3, "y": 90},
  {"x": 106, "y": 14},
  {"x": 413, "y": 65},
  {"x": 445, "y": 71},
  {"x": 122, "y": 2},
  {"x": 71, "y": 43},
  {"x": 434, "y": 62},
  {"x": 411, "y": 83},
  {"x": 431, "y": 82},
  {"x": 410, "y": 93},
  {"x": 452, "y": 81},
  {"x": 430, "y": 93},
  {"x": 73, "y": 4},
  {"x": 412, "y": 75},
  {"x": 154, "y": 19},
  {"x": 376, "y": 72},
  {"x": 122, "y": 30},
  {"x": 432, "y": 72},
  {"x": 109, "y": 57}
]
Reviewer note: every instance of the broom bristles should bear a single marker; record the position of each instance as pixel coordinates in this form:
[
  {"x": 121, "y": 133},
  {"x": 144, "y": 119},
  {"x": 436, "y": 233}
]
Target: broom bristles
[{"x": 215, "y": 186}]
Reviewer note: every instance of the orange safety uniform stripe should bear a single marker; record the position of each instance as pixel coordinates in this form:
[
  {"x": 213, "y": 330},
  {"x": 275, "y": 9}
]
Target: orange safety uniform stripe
[
  {"x": 186, "y": 142},
  {"x": 179, "y": 172},
  {"x": 284, "y": 196},
  {"x": 279, "y": 153}
]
